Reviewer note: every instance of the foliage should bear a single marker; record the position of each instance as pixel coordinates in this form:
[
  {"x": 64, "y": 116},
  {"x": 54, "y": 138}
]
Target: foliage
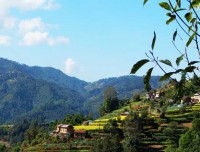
[
  {"x": 23, "y": 96},
  {"x": 32, "y": 92},
  {"x": 112, "y": 127},
  {"x": 111, "y": 101},
  {"x": 185, "y": 14},
  {"x": 3, "y": 148},
  {"x": 136, "y": 97},
  {"x": 75, "y": 119},
  {"x": 132, "y": 128},
  {"x": 190, "y": 141},
  {"x": 107, "y": 144},
  {"x": 28, "y": 133}
]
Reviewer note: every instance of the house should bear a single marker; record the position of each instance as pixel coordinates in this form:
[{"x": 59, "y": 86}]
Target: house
[
  {"x": 196, "y": 98},
  {"x": 64, "y": 129},
  {"x": 80, "y": 134},
  {"x": 157, "y": 96},
  {"x": 126, "y": 113},
  {"x": 86, "y": 123}
]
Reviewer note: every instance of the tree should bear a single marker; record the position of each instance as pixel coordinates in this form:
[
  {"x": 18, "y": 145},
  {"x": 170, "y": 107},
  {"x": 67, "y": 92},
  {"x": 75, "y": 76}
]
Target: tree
[
  {"x": 132, "y": 128},
  {"x": 111, "y": 101},
  {"x": 110, "y": 93},
  {"x": 190, "y": 141},
  {"x": 185, "y": 14},
  {"x": 107, "y": 144},
  {"x": 112, "y": 127},
  {"x": 3, "y": 148},
  {"x": 136, "y": 97},
  {"x": 74, "y": 119}
]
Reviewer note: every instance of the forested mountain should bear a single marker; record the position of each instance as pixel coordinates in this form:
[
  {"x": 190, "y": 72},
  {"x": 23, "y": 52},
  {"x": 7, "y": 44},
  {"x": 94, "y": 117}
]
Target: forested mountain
[
  {"x": 53, "y": 75},
  {"x": 32, "y": 92},
  {"x": 22, "y": 95},
  {"x": 124, "y": 85}
]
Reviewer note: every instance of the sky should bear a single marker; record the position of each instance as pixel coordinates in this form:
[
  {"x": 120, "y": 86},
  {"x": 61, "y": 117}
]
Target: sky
[{"x": 87, "y": 39}]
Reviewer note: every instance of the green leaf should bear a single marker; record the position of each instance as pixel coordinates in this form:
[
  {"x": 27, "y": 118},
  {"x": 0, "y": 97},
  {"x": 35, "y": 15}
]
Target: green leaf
[
  {"x": 188, "y": 16},
  {"x": 178, "y": 2},
  {"x": 145, "y": 1},
  {"x": 195, "y": 3},
  {"x": 171, "y": 19},
  {"x": 181, "y": 9},
  {"x": 147, "y": 78},
  {"x": 153, "y": 41},
  {"x": 170, "y": 14},
  {"x": 138, "y": 65},
  {"x": 167, "y": 62},
  {"x": 179, "y": 59},
  {"x": 177, "y": 71},
  {"x": 193, "y": 62},
  {"x": 190, "y": 39},
  {"x": 189, "y": 28},
  {"x": 174, "y": 35},
  {"x": 165, "y": 5},
  {"x": 166, "y": 76},
  {"x": 193, "y": 20},
  {"x": 190, "y": 68}
]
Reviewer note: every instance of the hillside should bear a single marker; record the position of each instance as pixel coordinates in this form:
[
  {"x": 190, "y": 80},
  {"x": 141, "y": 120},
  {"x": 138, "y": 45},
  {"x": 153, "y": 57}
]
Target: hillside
[
  {"x": 21, "y": 95},
  {"x": 47, "y": 92},
  {"x": 53, "y": 75},
  {"x": 124, "y": 85}
]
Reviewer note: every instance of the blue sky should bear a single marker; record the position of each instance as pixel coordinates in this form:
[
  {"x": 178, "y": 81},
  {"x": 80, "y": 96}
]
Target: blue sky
[{"x": 88, "y": 39}]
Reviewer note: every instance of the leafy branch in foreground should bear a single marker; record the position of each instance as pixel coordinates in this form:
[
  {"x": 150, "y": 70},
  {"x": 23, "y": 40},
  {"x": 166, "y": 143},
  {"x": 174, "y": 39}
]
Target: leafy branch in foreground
[{"x": 185, "y": 14}]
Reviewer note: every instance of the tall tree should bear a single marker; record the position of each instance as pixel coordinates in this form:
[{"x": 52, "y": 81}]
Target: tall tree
[
  {"x": 132, "y": 128},
  {"x": 110, "y": 93},
  {"x": 111, "y": 101}
]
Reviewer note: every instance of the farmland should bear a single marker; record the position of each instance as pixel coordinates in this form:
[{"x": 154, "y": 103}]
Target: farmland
[{"x": 154, "y": 135}]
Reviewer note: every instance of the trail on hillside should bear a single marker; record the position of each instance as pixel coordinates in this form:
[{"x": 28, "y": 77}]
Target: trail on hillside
[{"x": 7, "y": 144}]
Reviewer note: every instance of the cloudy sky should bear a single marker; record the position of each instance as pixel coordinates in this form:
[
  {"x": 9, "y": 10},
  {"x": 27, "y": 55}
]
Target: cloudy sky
[{"x": 88, "y": 39}]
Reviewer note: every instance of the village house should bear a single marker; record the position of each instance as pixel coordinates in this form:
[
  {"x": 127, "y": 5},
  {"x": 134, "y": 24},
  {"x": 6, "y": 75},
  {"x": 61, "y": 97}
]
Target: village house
[
  {"x": 196, "y": 98},
  {"x": 81, "y": 134},
  {"x": 155, "y": 95},
  {"x": 126, "y": 113},
  {"x": 63, "y": 129}
]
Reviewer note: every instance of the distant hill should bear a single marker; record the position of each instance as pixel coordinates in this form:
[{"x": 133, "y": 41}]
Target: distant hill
[
  {"x": 32, "y": 92},
  {"x": 53, "y": 75},
  {"x": 124, "y": 85},
  {"x": 22, "y": 95}
]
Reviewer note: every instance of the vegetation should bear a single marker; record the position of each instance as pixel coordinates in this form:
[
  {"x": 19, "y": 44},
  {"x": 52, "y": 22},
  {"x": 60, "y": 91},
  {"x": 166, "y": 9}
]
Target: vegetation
[
  {"x": 185, "y": 13},
  {"x": 167, "y": 121},
  {"x": 32, "y": 92}
]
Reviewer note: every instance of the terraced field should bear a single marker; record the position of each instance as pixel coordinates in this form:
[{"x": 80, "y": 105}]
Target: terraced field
[{"x": 153, "y": 138}]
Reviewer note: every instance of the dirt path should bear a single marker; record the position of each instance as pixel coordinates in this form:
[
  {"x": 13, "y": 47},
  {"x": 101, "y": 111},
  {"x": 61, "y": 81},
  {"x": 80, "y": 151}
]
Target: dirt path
[
  {"x": 188, "y": 125},
  {"x": 7, "y": 144}
]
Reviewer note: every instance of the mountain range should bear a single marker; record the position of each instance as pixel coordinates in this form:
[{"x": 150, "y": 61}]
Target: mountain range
[{"x": 45, "y": 92}]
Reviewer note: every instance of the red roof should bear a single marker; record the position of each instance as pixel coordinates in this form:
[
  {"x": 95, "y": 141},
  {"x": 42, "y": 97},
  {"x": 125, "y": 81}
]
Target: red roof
[{"x": 80, "y": 131}]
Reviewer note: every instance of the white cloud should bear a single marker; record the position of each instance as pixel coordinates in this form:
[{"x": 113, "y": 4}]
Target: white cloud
[
  {"x": 4, "y": 40},
  {"x": 51, "y": 5},
  {"x": 38, "y": 37},
  {"x": 70, "y": 66},
  {"x": 58, "y": 40},
  {"x": 7, "y": 19},
  {"x": 32, "y": 31},
  {"x": 9, "y": 22},
  {"x": 34, "y": 38},
  {"x": 28, "y": 5},
  {"x": 34, "y": 24}
]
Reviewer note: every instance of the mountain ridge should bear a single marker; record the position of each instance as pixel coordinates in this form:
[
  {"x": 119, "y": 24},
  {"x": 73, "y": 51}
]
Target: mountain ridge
[{"x": 42, "y": 91}]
